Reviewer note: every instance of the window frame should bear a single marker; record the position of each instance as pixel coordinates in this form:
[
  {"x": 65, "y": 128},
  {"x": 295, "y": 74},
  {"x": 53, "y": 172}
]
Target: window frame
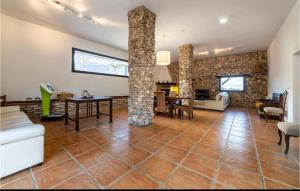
[
  {"x": 226, "y": 76},
  {"x": 97, "y": 54}
]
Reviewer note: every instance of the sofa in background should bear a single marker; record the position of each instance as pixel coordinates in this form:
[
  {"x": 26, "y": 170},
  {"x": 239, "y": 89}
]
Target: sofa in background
[
  {"x": 21, "y": 141},
  {"x": 220, "y": 103}
]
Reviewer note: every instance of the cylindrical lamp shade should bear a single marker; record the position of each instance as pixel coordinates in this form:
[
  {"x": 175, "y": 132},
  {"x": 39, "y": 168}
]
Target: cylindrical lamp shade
[{"x": 163, "y": 58}]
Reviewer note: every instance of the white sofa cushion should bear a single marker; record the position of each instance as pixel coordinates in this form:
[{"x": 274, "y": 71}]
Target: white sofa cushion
[
  {"x": 213, "y": 104},
  {"x": 289, "y": 128},
  {"x": 22, "y": 132},
  {"x": 12, "y": 122},
  {"x": 21, "y": 141}
]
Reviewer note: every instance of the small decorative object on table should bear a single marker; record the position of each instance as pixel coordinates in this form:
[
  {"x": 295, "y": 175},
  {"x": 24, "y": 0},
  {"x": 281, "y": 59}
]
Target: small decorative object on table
[
  {"x": 28, "y": 99},
  {"x": 64, "y": 95},
  {"x": 86, "y": 95}
]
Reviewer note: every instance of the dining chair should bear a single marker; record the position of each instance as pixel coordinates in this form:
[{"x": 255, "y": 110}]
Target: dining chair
[
  {"x": 162, "y": 106},
  {"x": 187, "y": 108},
  {"x": 172, "y": 94}
]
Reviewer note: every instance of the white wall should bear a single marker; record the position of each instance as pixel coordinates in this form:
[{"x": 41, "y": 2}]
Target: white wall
[
  {"x": 31, "y": 54},
  {"x": 282, "y": 61}
]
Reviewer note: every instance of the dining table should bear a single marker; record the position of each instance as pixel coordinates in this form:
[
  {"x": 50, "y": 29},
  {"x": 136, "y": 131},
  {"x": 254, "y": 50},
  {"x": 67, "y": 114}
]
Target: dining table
[{"x": 172, "y": 102}]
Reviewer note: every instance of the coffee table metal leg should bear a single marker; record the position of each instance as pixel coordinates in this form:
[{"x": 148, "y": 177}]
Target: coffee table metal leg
[
  {"x": 77, "y": 117},
  {"x": 110, "y": 110},
  {"x": 98, "y": 112},
  {"x": 66, "y": 112}
]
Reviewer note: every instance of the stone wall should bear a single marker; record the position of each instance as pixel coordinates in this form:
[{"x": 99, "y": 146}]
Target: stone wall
[
  {"x": 205, "y": 72},
  {"x": 34, "y": 108},
  {"x": 141, "y": 51}
]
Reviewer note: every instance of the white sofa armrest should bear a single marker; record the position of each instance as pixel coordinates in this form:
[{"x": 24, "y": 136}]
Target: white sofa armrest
[
  {"x": 8, "y": 109},
  {"x": 21, "y": 133}
]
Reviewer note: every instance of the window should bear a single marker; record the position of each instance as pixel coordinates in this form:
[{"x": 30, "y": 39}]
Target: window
[
  {"x": 232, "y": 83},
  {"x": 93, "y": 63}
]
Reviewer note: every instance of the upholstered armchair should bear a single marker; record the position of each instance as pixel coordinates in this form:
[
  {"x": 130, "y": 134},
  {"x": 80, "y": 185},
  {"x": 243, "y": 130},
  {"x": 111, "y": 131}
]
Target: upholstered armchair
[
  {"x": 277, "y": 110},
  {"x": 261, "y": 103},
  {"x": 289, "y": 130}
]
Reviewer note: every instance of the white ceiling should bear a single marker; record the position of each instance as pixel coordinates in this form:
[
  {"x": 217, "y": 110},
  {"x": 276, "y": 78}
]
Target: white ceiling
[{"x": 252, "y": 23}]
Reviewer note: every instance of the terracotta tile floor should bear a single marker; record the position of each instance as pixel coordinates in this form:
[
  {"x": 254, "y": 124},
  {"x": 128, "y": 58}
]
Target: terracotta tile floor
[{"x": 231, "y": 149}]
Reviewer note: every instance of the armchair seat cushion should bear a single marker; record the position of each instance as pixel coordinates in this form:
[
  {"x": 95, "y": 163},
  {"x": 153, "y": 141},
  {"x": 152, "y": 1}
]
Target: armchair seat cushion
[
  {"x": 273, "y": 110},
  {"x": 292, "y": 129}
]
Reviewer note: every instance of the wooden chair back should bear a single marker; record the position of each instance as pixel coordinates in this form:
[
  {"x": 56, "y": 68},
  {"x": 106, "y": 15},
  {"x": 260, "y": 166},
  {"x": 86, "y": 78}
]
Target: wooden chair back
[
  {"x": 191, "y": 103},
  {"x": 161, "y": 102},
  {"x": 276, "y": 97},
  {"x": 282, "y": 100},
  {"x": 3, "y": 100},
  {"x": 172, "y": 94}
]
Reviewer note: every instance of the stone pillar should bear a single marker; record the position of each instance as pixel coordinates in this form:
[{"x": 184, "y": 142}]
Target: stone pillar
[
  {"x": 185, "y": 70},
  {"x": 141, "y": 50}
]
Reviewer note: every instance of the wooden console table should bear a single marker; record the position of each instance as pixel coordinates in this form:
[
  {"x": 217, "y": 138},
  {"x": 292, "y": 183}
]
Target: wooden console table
[{"x": 89, "y": 102}]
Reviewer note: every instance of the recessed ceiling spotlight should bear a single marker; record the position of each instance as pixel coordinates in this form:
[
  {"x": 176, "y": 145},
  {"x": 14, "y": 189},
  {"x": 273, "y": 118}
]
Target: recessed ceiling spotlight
[
  {"x": 79, "y": 15},
  {"x": 223, "y": 20}
]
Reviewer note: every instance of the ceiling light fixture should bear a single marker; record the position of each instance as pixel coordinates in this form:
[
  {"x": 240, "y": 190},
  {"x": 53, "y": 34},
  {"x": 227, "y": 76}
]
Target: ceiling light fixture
[
  {"x": 74, "y": 11},
  {"x": 163, "y": 58},
  {"x": 223, "y": 20},
  {"x": 218, "y": 50},
  {"x": 202, "y": 53}
]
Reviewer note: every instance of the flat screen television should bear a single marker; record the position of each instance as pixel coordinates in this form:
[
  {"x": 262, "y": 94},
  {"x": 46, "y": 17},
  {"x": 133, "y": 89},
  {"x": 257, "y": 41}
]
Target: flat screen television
[{"x": 202, "y": 94}]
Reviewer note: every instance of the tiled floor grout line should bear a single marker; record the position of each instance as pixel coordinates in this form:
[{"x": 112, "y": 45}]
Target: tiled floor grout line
[
  {"x": 294, "y": 157},
  {"x": 168, "y": 143},
  {"x": 260, "y": 172},
  {"x": 277, "y": 181},
  {"x": 179, "y": 163},
  {"x": 83, "y": 169},
  {"x": 51, "y": 165},
  {"x": 115, "y": 156},
  {"x": 33, "y": 179},
  {"x": 263, "y": 177},
  {"x": 152, "y": 154},
  {"x": 15, "y": 180},
  {"x": 221, "y": 157},
  {"x": 158, "y": 150},
  {"x": 65, "y": 180},
  {"x": 191, "y": 152}
]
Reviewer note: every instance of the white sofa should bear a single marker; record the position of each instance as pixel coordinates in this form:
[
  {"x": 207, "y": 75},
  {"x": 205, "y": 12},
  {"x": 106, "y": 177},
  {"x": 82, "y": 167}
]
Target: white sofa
[
  {"x": 21, "y": 141},
  {"x": 220, "y": 103}
]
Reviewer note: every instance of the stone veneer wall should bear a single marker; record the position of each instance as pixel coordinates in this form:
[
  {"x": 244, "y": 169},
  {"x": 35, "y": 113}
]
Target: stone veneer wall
[
  {"x": 34, "y": 108},
  {"x": 185, "y": 70},
  {"x": 205, "y": 72},
  {"x": 141, "y": 50}
]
